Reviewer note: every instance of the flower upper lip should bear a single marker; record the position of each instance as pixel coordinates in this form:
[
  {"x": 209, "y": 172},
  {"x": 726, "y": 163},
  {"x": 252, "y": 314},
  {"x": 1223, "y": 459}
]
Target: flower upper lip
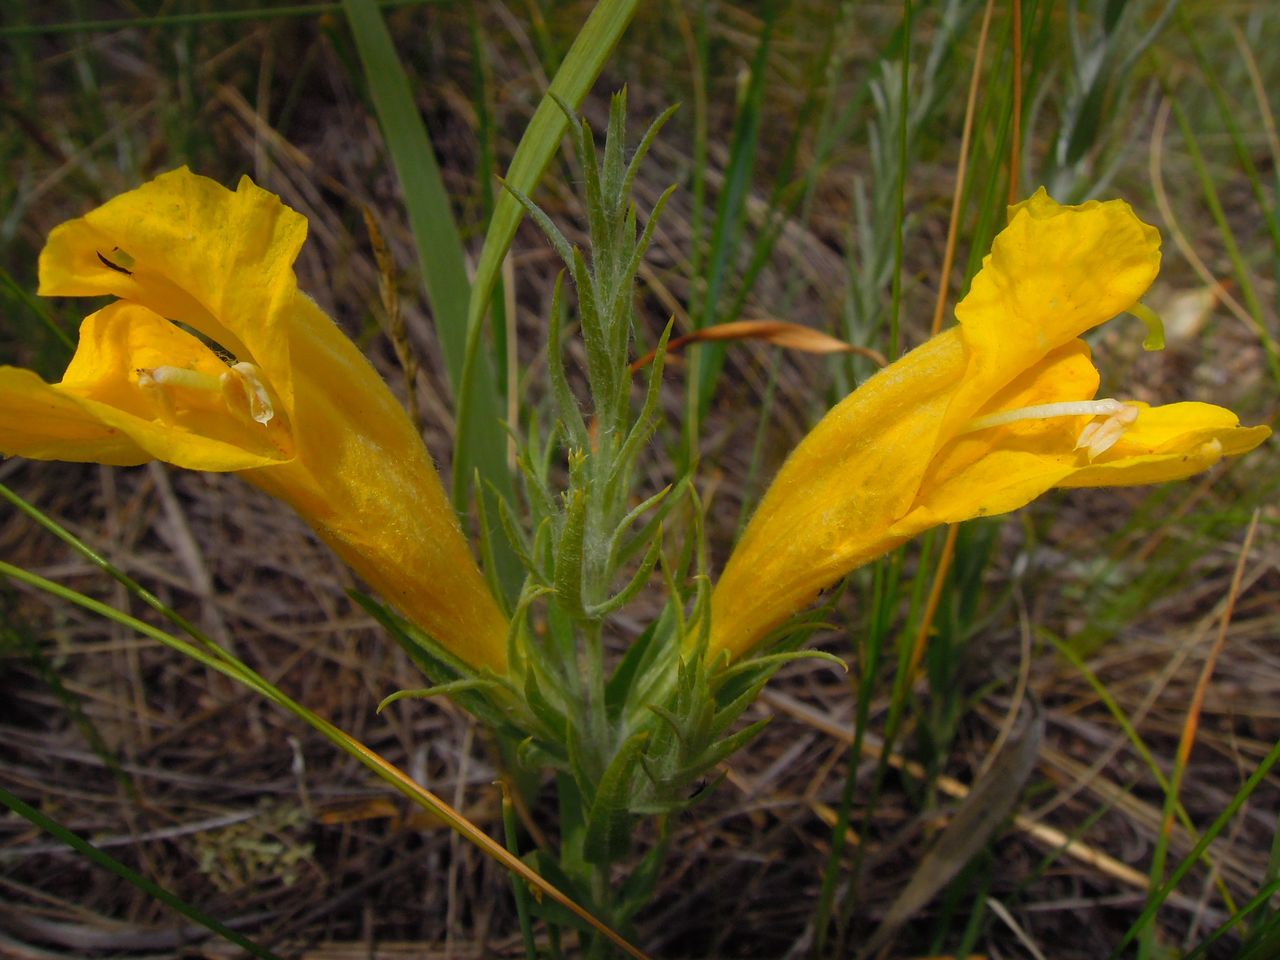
[{"x": 219, "y": 261}]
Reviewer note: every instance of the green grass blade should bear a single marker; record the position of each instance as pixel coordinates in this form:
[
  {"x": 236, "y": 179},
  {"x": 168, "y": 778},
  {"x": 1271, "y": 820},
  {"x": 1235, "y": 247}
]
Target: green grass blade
[
  {"x": 900, "y": 188},
  {"x": 190, "y": 19},
  {"x": 1139, "y": 745},
  {"x": 1227, "y": 115},
  {"x": 1261, "y": 899},
  {"x": 41, "y": 312},
  {"x": 582, "y": 64},
  {"x": 1214, "y": 203},
  {"x": 210, "y": 654},
  {"x": 231, "y": 666},
  {"x": 486, "y": 178},
  {"x": 105, "y": 565},
  {"x": 881, "y": 599},
  {"x": 481, "y": 440},
  {"x": 152, "y": 889},
  {"x": 17, "y": 639},
  {"x": 731, "y": 211},
  {"x": 1158, "y": 897}
]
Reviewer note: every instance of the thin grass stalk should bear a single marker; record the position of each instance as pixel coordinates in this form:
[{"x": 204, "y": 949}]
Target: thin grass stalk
[
  {"x": 42, "y": 313},
  {"x": 109, "y": 568},
  {"x": 976, "y": 882},
  {"x": 902, "y": 682},
  {"x": 1155, "y": 167},
  {"x": 731, "y": 207},
  {"x": 784, "y": 201},
  {"x": 1227, "y": 114},
  {"x": 1140, "y": 746},
  {"x": 953, "y": 229},
  {"x": 962, "y": 166},
  {"x": 869, "y": 670},
  {"x": 206, "y": 651},
  {"x": 486, "y": 178},
  {"x": 14, "y": 637},
  {"x": 697, "y": 50},
  {"x": 1214, "y": 203},
  {"x": 940, "y": 571},
  {"x": 1192, "y": 723},
  {"x": 1261, "y": 899},
  {"x": 511, "y": 833},
  {"x": 1158, "y": 897},
  {"x": 899, "y": 238},
  {"x": 1015, "y": 150},
  {"x": 995, "y": 115},
  {"x": 199, "y": 18},
  {"x": 227, "y": 664},
  {"x": 763, "y": 418},
  {"x": 102, "y": 859}
]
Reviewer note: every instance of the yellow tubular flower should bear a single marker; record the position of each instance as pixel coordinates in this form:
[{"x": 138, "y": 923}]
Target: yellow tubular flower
[
  {"x": 291, "y": 405},
  {"x": 977, "y": 421}
]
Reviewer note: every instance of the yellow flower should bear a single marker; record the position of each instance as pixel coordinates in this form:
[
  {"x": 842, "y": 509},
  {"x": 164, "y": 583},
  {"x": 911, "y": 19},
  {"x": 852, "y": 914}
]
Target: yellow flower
[
  {"x": 282, "y": 398},
  {"x": 977, "y": 421}
]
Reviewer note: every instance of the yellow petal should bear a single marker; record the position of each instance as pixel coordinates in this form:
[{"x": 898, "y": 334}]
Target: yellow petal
[
  {"x": 1054, "y": 272},
  {"x": 364, "y": 481},
  {"x": 1166, "y": 443},
  {"x": 339, "y": 447},
  {"x": 1066, "y": 374},
  {"x": 104, "y": 386},
  {"x": 193, "y": 251},
  {"x": 832, "y": 503},
  {"x": 979, "y": 420},
  {"x": 43, "y": 423}
]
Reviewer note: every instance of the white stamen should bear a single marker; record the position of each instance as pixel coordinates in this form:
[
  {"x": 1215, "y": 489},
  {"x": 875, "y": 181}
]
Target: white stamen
[
  {"x": 246, "y": 377},
  {"x": 1044, "y": 411},
  {"x": 1097, "y": 437},
  {"x": 167, "y": 376}
]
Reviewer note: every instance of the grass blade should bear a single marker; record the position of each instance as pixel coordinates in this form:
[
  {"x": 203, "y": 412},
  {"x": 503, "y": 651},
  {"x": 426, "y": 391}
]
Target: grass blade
[
  {"x": 481, "y": 440},
  {"x": 731, "y": 212},
  {"x": 105, "y": 860},
  {"x": 582, "y": 64},
  {"x": 189, "y": 19},
  {"x": 231, "y": 666}
]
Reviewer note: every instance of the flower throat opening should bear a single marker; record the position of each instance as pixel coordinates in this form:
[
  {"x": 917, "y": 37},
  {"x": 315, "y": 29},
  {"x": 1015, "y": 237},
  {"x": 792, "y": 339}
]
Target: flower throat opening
[{"x": 244, "y": 378}]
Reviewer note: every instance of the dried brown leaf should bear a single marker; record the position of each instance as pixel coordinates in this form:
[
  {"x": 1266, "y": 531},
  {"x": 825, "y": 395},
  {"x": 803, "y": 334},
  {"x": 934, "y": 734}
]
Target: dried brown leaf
[{"x": 793, "y": 336}]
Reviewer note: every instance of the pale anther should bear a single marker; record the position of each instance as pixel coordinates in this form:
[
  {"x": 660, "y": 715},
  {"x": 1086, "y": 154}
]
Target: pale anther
[
  {"x": 1099, "y": 436},
  {"x": 255, "y": 391}
]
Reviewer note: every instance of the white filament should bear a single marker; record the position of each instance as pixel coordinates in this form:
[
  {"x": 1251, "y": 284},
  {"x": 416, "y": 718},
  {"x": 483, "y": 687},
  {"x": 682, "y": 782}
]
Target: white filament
[{"x": 1097, "y": 437}]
